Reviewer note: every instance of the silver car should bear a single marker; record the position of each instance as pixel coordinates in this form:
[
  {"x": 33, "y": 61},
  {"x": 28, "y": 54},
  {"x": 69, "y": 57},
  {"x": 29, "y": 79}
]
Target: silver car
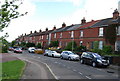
[
  {"x": 69, "y": 55},
  {"x": 53, "y": 54}
]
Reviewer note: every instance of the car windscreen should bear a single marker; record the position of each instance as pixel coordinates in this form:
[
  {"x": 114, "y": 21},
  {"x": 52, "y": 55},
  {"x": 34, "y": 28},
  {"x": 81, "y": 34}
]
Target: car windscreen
[
  {"x": 54, "y": 52},
  {"x": 71, "y": 53},
  {"x": 18, "y": 49},
  {"x": 96, "y": 55}
]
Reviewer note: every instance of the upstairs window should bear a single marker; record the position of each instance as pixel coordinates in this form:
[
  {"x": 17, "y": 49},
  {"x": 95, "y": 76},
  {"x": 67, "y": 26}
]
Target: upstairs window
[
  {"x": 100, "y": 31},
  {"x": 47, "y": 37},
  {"x": 60, "y": 35},
  {"x": 42, "y": 36},
  {"x": 81, "y": 33},
  {"x": 72, "y": 34}
]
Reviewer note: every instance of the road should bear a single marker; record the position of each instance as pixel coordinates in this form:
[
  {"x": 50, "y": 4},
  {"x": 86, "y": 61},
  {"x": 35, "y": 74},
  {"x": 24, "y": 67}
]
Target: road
[{"x": 65, "y": 69}]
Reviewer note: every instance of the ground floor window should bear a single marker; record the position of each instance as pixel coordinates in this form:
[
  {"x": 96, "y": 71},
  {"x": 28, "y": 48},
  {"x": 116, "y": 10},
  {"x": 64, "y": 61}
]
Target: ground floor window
[
  {"x": 117, "y": 46},
  {"x": 81, "y": 42},
  {"x": 100, "y": 45}
]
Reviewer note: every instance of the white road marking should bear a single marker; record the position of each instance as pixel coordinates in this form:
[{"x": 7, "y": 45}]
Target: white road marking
[
  {"x": 80, "y": 73},
  {"x": 68, "y": 67},
  {"x": 74, "y": 70},
  {"x": 87, "y": 77}
]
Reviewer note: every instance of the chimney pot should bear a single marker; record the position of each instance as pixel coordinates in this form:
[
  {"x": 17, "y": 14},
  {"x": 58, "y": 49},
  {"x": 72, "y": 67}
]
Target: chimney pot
[
  {"x": 83, "y": 21},
  {"x": 63, "y": 25},
  {"x": 46, "y": 29},
  {"x": 115, "y": 14},
  {"x": 54, "y": 27},
  {"x": 40, "y": 30}
]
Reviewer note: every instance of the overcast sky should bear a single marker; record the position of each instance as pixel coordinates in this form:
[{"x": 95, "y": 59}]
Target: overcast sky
[{"x": 47, "y": 13}]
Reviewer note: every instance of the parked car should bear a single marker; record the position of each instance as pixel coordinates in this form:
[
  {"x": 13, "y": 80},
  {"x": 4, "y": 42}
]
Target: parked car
[
  {"x": 69, "y": 55},
  {"x": 31, "y": 49},
  {"x": 10, "y": 48},
  {"x": 93, "y": 59},
  {"x": 46, "y": 52},
  {"x": 38, "y": 51},
  {"x": 53, "y": 54},
  {"x": 18, "y": 50}
]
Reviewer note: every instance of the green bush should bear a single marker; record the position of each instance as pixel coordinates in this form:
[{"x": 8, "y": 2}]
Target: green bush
[
  {"x": 71, "y": 45},
  {"x": 39, "y": 45},
  {"x": 107, "y": 50},
  {"x": 80, "y": 48},
  {"x": 4, "y": 49},
  {"x": 30, "y": 45},
  {"x": 54, "y": 44},
  {"x": 99, "y": 51}
]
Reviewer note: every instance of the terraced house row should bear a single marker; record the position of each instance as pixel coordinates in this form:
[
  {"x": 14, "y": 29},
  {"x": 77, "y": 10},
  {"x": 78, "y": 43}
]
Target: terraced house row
[{"x": 103, "y": 32}]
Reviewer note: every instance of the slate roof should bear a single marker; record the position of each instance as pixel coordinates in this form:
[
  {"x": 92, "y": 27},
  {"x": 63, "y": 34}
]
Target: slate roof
[
  {"x": 106, "y": 22},
  {"x": 74, "y": 27},
  {"x": 88, "y": 24},
  {"x": 61, "y": 29}
]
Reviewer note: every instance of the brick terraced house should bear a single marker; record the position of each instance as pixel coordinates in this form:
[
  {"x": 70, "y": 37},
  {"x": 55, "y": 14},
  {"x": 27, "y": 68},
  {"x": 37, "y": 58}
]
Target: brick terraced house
[{"x": 86, "y": 33}]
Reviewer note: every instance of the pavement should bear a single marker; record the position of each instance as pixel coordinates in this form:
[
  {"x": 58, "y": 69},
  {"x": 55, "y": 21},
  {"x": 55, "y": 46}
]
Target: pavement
[{"x": 33, "y": 70}]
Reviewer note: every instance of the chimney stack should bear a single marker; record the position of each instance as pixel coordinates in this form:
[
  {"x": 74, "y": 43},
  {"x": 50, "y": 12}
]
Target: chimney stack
[
  {"x": 63, "y": 25},
  {"x": 30, "y": 32},
  {"x": 46, "y": 29},
  {"x": 115, "y": 14},
  {"x": 35, "y": 31},
  {"x": 40, "y": 30},
  {"x": 54, "y": 27},
  {"x": 83, "y": 21}
]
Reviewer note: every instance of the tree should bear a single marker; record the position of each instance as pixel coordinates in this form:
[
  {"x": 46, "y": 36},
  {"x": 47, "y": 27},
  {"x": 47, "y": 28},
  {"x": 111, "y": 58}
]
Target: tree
[
  {"x": 13, "y": 43},
  {"x": 3, "y": 45},
  {"x": 30, "y": 45},
  {"x": 8, "y": 11}
]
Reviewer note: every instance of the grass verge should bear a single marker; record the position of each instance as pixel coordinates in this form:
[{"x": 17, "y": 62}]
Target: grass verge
[{"x": 12, "y": 69}]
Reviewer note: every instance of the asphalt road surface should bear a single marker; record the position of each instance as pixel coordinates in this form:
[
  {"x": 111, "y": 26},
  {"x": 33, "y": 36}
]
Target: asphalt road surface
[{"x": 65, "y": 69}]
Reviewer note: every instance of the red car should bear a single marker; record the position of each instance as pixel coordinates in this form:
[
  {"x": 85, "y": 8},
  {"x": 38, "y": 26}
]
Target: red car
[{"x": 18, "y": 50}]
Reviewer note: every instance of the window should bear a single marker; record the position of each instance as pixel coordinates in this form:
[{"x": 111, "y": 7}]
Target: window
[
  {"x": 81, "y": 43},
  {"x": 60, "y": 35},
  {"x": 100, "y": 31},
  {"x": 47, "y": 37},
  {"x": 81, "y": 33},
  {"x": 60, "y": 44},
  {"x": 72, "y": 34},
  {"x": 118, "y": 30},
  {"x": 101, "y": 45},
  {"x": 42, "y": 36},
  {"x": 55, "y": 35}
]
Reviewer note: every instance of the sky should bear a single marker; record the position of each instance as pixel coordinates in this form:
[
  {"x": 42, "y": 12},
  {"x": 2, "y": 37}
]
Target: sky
[{"x": 44, "y": 14}]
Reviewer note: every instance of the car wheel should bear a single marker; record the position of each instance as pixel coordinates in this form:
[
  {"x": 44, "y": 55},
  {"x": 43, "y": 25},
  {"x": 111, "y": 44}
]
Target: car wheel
[
  {"x": 52, "y": 55},
  {"x": 94, "y": 64},
  {"x": 61, "y": 57},
  {"x": 69, "y": 59},
  {"x": 81, "y": 61}
]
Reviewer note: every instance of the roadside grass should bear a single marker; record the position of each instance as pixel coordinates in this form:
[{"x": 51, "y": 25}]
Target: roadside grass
[{"x": 12, "y": 70}]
